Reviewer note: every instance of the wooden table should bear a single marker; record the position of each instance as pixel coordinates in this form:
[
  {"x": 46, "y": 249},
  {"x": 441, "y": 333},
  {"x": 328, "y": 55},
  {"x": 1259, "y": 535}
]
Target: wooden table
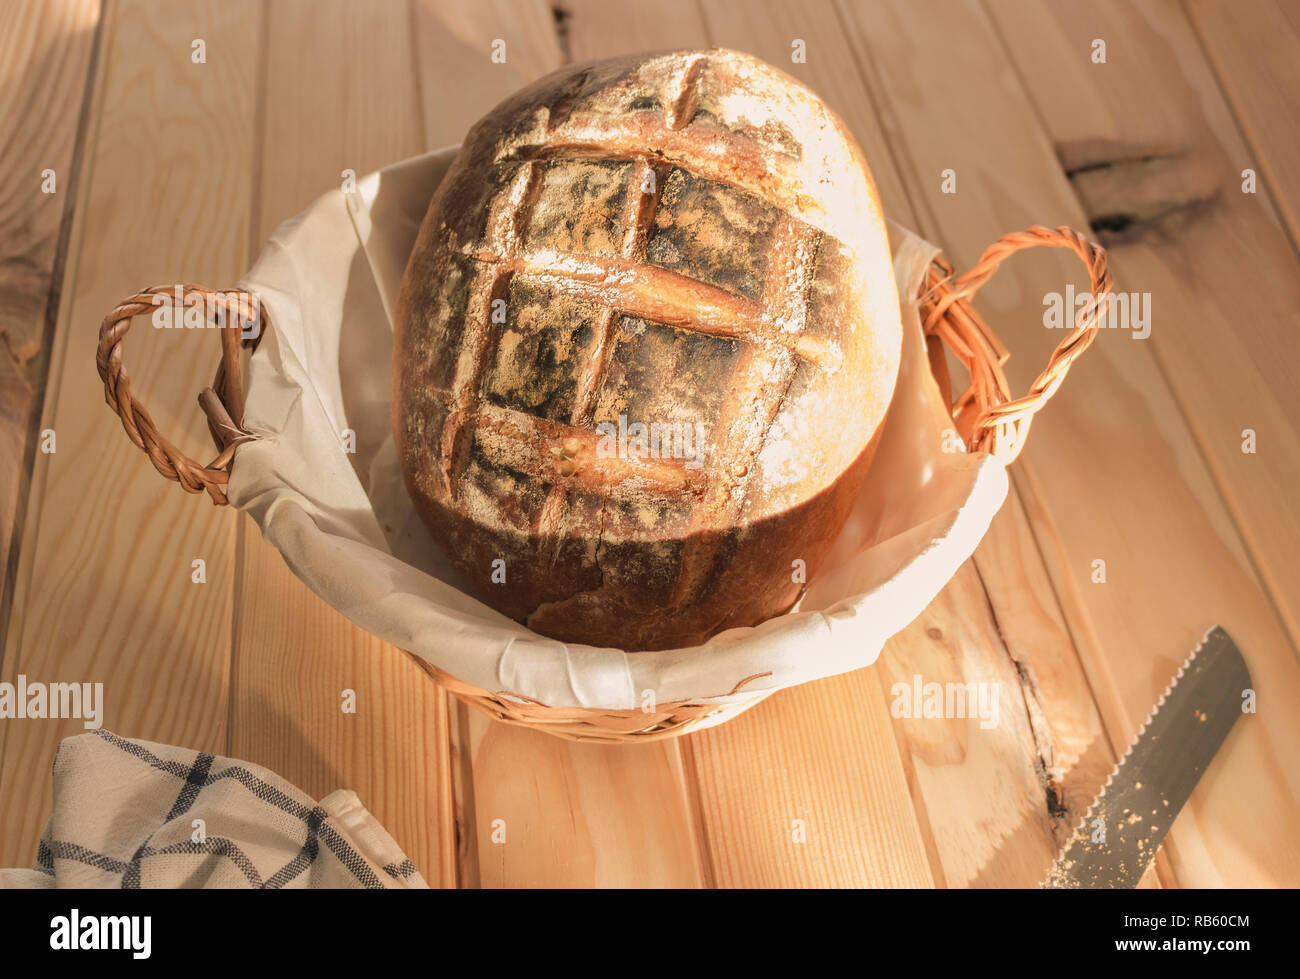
[{"x": 168, "y": 170}]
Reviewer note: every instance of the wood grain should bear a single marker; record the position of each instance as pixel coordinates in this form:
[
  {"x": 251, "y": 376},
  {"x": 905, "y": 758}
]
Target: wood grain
[
  {"x": 459, "y": 81},
  {"x": 1071, "y": 747},
  {"x": 353, "y": 104},
  {"x": 1252, "y": 47},
  {"x": 1123, "y": 474},
  {"x": 592, "y": 29},
  {"x": 1217, "y": 265},
  {"x": 44, "y": 66},
  {"x": 103, "y": 590},
  {"x": 807, "y": 790},
  {"x": 1203, "y": 265},
  {"x": 553, "y": 813}
]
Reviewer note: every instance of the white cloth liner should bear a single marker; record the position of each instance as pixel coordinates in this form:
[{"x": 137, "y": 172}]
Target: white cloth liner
[{"x": 344, "y": 524}]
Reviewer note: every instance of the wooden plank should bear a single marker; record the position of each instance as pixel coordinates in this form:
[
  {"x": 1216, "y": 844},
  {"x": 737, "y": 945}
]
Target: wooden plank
[
  {"x": 1255, "y": 51},
  {"x": 338, "y": 93},
  {"x": 1115, "y": 434},
  {"x": 103, "y": 591},
  {"x": 46, "y": 55},
  {"x": 1015, "y": 835},
  {"x": 459, "y": 80},
  {"x": 593, "y": 29},
  {"x": 574, "y": 815},
  {"x": 294, "y": 658},
  {"x": 1221, "y": 387},
  {"x": 552, "y": 813},
  {"x": 807, "y": 790},
  {"x": 1203, "y": 261},
  {"x": 1071, "y": 745},
  {"x": 966, "y": 766}
]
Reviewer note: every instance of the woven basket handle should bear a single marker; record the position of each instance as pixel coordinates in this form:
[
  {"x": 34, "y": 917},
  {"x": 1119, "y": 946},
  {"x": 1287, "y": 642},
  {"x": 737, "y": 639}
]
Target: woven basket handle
[
  {"x": 986, "y": 416},
  {"x": 241, "y": 323},
  {"x": 988, "y": 419}
]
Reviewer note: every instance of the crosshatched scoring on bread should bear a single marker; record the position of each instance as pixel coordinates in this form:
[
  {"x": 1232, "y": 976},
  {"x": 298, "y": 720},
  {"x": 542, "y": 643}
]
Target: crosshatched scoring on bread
[{"x": 685, "y": 249}]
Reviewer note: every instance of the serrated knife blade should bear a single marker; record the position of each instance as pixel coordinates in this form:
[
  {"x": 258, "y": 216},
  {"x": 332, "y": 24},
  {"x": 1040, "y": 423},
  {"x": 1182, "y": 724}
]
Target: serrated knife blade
[{"x": 1118, "y": 838}]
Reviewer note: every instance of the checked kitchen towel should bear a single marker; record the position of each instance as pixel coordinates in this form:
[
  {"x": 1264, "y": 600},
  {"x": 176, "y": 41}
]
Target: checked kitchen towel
[{"x": 137, "y": 814}]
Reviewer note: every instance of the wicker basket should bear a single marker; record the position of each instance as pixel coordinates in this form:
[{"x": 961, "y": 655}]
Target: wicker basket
[{"x": 985, "y": 415}]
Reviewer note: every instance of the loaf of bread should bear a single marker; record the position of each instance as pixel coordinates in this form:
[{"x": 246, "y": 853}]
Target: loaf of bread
[{"x": 644, "y": 346}]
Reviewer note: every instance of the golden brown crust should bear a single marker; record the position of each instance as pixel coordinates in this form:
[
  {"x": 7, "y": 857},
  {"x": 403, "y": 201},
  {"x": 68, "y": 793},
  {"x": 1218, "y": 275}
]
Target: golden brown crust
[{"x": 690, "y": 241}]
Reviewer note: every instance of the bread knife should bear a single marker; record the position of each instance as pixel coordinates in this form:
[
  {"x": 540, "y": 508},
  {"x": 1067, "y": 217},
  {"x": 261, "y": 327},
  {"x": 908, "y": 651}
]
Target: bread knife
[{"x": 1117, "y": 840}]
